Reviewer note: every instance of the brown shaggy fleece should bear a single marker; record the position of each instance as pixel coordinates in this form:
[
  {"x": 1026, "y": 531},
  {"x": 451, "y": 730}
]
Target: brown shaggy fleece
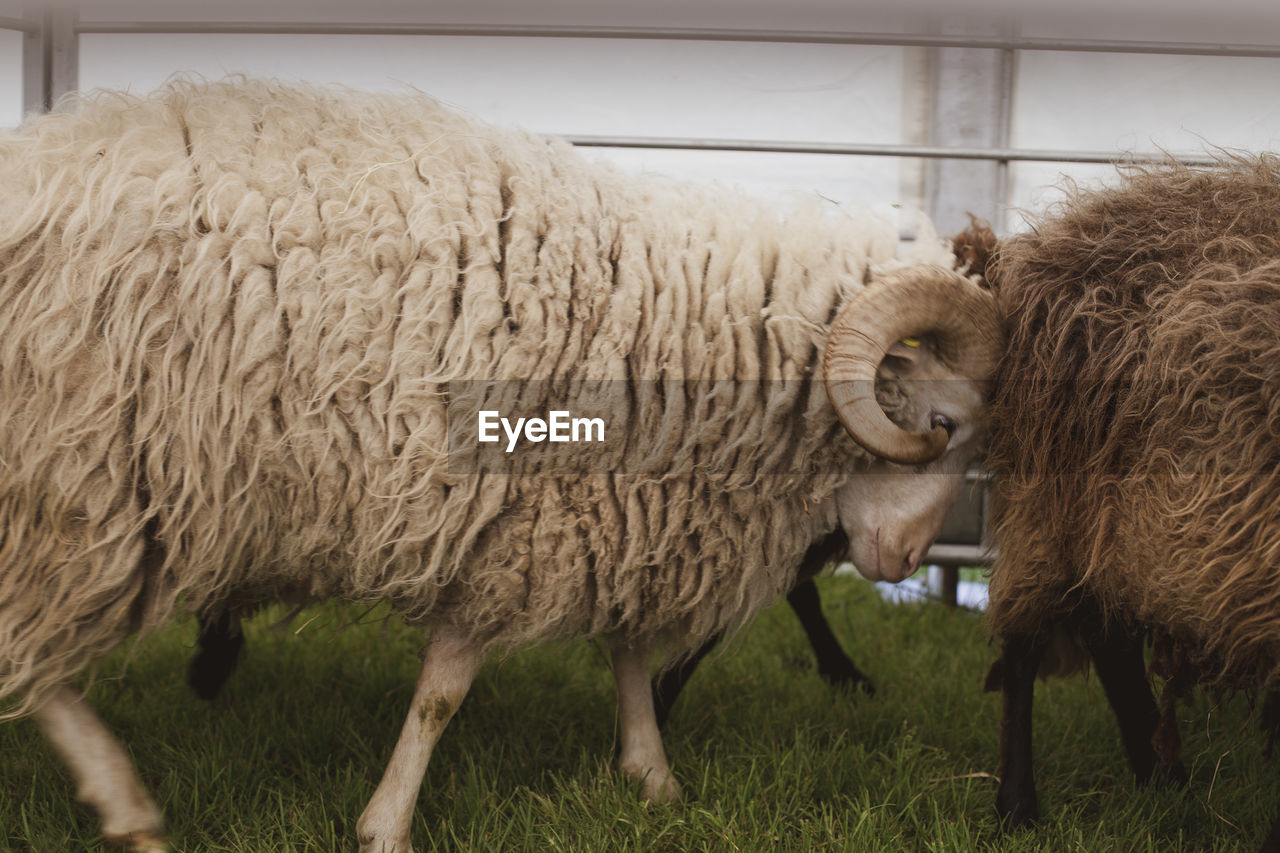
[
  {"x": 239, "y": 318},
  {"x": 1136, "y": 414}
]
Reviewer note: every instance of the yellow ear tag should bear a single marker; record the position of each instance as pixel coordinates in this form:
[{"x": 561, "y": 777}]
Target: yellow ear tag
[{"x": 914, "y": 343}]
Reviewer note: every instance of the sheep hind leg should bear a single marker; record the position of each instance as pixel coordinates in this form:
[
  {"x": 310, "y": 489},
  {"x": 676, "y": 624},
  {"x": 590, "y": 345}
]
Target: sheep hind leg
[
  {"x": 448, "y": 669},
  {"x": 1117, "y": 657},
  {"x": 668, "y": 684},
  {"x": 1271, "y": 728},
  {"x": 1271, "y": 844},
  {"x": 642, "y": 757},
  {"x": 834, "y": 665},
  {"x": 220, "y": 640},
  {"x": 104, "y": 776}
]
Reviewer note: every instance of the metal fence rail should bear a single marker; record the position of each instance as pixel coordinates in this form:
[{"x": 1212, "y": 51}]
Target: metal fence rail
[
  {"x": 685, "y": 34},
  {"x": 22, "y": 25},
  {"x": 928, "y": 152}
]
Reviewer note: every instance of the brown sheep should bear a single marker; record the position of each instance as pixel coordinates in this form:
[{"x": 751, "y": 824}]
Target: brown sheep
[{"x": 1135, "y": 436}]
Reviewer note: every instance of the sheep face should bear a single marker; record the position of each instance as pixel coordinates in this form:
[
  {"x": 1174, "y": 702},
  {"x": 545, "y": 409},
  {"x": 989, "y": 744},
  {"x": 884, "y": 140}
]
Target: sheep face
[
  {"x": 892, "y": 512},
  {"x": 907, "y": 364}
]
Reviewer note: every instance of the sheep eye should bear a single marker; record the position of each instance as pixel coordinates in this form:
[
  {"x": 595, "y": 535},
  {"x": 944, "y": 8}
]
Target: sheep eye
[{"x": 939, "y": 420}]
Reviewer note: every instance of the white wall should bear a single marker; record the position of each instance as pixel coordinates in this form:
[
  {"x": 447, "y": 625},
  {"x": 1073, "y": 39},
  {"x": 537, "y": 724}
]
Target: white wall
[
  {"x": 10, "y": 67},
  {"x": 827, "y": 93},
  {"x": 1136, "y": 103},
  {"x": 10, "y": 77},
  {"x": 615, "y": 87},
  {"x": 754, "y": 91}
]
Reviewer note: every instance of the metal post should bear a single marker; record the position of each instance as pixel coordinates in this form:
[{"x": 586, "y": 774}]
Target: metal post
[
  {"x": 35, "y": 84},
  {"x": 950, "y": 592},
  {"x": 1007, "y": 75},
  {"x": 971, "y": 91},
  {"x": 64, "y": 52},
  {"x": 968, "y": 110},
  {"x": 50, "y": 55}
]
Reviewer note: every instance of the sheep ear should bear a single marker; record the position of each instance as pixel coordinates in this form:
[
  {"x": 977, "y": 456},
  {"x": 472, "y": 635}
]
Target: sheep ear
[{"x": 975, "y": 247}]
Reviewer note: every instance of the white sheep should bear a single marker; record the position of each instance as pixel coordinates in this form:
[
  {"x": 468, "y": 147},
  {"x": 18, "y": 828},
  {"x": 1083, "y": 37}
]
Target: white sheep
[{"x": 241, "y": 321}]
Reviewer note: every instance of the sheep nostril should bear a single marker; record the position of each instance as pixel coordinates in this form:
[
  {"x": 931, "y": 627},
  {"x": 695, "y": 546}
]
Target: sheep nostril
[{"x": 909, "y": 565}]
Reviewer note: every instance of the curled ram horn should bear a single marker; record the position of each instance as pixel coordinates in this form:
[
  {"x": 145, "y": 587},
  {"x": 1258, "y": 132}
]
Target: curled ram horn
[{"x": 956, "y": 314}]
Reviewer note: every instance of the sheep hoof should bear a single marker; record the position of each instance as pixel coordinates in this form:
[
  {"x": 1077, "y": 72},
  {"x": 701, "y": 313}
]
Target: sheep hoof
[
  {"x": 848, "y": 678},
  {"x": 1172, "y": 775},
  {"x": 1017, "y": 815},
  {"x": 401, "y": 845},
  {"x": 139, "y": 842},
  {"x": 663, "y": 790}
]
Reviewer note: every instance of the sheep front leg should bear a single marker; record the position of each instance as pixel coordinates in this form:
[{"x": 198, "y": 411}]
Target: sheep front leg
[
  {"x": 1016, "y": 798},
  {"x": 451, "y": 662},
  {"x": 104, "y": 775},
  {"x": 642, "y": 755}
]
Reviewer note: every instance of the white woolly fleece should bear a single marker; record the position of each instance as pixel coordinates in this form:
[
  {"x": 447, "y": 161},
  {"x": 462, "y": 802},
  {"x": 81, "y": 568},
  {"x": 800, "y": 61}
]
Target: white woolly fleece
[{"x": 232, "y": 312}]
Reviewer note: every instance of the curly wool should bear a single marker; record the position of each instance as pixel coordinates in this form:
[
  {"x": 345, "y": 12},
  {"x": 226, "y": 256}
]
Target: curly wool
[
  {"x": 232, "y": 314},
  {"x": 1135, "y": 420}
]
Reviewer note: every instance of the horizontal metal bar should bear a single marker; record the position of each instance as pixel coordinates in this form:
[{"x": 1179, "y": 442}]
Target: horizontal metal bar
[
  {"x": 680, "y": 34},
  {"x": 1123, "y": 46},
  {"x": 886, "y": 150},
  {"x": 947, "y": 554},
  {"x": 19, "y": 24}
]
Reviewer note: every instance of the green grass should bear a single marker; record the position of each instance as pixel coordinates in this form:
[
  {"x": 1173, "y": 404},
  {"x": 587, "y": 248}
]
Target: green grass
[{"x": 769, "y": 757}]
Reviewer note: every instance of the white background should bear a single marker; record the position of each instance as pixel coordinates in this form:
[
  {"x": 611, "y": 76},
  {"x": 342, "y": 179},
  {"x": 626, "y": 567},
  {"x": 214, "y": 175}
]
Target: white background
[{"x": 756, "y": 91}]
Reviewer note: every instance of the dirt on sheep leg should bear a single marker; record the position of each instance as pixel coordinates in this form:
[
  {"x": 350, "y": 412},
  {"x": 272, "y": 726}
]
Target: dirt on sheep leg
[
  {"x": 104, "y": 776},
  {"x": 450, "y": 665},
  {"x": 642, "y": 755}
]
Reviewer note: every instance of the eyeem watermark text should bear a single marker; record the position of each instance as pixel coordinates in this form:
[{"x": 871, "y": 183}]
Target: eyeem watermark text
[{"x": 559, "y": 426}]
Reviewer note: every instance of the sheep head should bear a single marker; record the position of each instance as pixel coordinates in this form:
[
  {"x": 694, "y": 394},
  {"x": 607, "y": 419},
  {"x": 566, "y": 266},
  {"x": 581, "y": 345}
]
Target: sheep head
[{"x": 921, "y": 342}]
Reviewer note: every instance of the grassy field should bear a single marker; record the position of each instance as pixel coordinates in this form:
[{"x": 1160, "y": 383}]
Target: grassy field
[{"x": 769, "y": 757}]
